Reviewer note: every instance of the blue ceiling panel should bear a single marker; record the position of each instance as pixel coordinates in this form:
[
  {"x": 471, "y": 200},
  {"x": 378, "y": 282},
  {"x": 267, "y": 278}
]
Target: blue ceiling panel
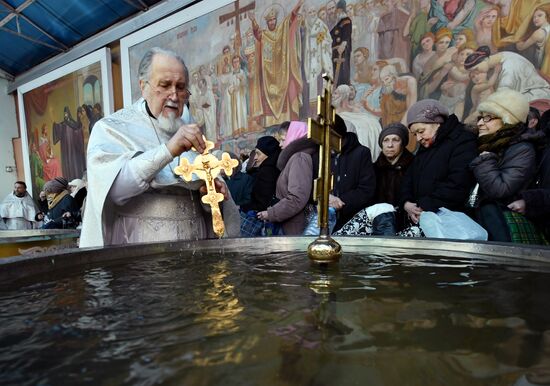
[{"x": 41, "y": 29}]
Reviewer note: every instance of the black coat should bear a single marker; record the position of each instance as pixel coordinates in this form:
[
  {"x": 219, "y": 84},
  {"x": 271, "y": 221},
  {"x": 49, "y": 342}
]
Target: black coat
[
  {"x": 263, "y": 190},
  {"x": 502, "y": 177},
  {"x": 537, "y": 199},
  {"x": 389, "y": 177},
  {"x": 439, "y": 176},
  {"x": 354, "y": 178},
  {"x": 54, "y": 219}
]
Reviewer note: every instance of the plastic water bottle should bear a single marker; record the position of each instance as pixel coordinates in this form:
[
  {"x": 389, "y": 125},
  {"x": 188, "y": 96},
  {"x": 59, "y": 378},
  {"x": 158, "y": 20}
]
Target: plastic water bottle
[{"x": 312, "y": 228}]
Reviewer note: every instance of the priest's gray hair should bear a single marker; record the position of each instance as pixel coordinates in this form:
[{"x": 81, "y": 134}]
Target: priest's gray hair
[{"x": 144, "y": 70}]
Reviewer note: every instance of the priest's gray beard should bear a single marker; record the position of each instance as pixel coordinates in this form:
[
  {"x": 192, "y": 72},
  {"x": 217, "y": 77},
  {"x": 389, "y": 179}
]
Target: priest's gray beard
[{"x": 169, "y": 125}]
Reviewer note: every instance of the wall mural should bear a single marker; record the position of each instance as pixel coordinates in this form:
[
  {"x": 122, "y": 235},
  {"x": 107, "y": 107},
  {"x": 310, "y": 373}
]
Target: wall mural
[
  {"x": 254, "y": 64},
  {"x": 57, "y": 117}
]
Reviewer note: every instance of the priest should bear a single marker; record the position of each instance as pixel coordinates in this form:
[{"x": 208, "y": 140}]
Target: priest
[
  {"x": 133, "y": 193},
  {"x": 18, "y": 209}
]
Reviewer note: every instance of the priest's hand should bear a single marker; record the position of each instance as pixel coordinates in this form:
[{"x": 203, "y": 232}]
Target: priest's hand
[
  {"x": 221, "y": 187},
  {"x": 186, "y": 137}
]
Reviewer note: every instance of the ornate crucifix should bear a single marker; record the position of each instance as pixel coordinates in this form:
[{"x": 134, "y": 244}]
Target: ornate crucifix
[
  {"x": 207, "y": 167},
  {"x": 324, "y": 249},
  {"x": 237, "y": 15}
]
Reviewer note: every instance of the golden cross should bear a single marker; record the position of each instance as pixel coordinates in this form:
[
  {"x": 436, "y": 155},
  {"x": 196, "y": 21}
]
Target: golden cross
[
  {"x": 207, "y": 167},
  {"x": 322, "y": 132}
]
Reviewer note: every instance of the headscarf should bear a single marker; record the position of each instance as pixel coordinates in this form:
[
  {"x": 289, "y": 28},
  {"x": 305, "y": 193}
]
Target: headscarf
[{"x": 296, "y": 130}]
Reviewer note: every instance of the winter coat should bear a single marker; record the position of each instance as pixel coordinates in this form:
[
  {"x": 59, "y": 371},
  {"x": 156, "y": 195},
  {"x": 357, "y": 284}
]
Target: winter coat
[
  {"x": 265, "y": 181},
  {"x": 439, "y": 175},
  {"x": 354, "y": 178},
  {"x": 240, "y": 185},
  {"x": 294, "y": 186},
  {"x": 537, "y": 198},
  {"x": 388, "y": 183},
  {"x": 54, "y": 219},
  {"x": 389, "y": 177},
  {"x": 502, "y": 177}
]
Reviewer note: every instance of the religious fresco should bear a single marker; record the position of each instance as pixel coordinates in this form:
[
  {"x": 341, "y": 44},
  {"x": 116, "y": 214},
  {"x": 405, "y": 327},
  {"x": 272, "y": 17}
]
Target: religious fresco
[
  {"x": 254, "y": 64},
  {"x": 59, "y": 116}
]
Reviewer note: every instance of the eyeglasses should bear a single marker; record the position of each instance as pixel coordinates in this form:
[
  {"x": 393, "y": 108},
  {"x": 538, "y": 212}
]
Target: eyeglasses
[
  {"x": 169, "y": 90},
  {"x": 486, "y": 118}
]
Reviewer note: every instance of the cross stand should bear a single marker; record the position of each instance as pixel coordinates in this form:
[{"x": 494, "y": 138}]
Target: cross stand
[
  {"x": 207, "y": 167},
  {"x": 324, "y": 249}
]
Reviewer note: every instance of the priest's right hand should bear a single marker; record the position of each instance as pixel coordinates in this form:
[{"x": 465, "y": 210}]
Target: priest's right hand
[{"x": 186, "y": 137}]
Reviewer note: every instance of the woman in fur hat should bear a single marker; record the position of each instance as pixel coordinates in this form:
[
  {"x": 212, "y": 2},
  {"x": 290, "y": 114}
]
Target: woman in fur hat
[{"x": 505, "y": 166}]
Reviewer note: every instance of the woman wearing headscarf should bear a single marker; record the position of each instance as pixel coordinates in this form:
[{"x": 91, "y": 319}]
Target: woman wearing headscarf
[
  {"x": 265, "y": 160},
  {"x": 505, "y": 166},
  {"x": 62, "y": 209},
  {"x": 295, "y": 182},
  {"x": 439, "y": 175}
]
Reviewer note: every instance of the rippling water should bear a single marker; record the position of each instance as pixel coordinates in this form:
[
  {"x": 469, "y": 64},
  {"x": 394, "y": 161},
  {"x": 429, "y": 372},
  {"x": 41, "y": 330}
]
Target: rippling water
[{"x": 228, "y": 319}]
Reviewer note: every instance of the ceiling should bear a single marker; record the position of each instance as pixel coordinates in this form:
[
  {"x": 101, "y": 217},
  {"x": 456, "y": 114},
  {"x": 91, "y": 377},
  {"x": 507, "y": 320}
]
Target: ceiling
[{"x": 32, "y": 31}]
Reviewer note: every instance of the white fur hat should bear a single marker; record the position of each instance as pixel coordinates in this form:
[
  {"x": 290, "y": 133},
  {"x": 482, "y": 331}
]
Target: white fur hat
[{"x": 509, "y": 105}]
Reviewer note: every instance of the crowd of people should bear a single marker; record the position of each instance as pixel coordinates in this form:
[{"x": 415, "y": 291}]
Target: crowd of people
[
  {"x": 495, "y": 173},
  {"x": 60, "y": 205}
]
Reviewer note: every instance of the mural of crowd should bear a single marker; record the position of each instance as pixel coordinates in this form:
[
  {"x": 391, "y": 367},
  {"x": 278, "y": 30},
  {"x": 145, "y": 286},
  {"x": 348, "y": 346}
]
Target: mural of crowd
[{"x": 383, "y": 55}]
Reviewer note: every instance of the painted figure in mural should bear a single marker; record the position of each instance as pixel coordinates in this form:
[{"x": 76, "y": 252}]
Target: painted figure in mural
[
  {"x": 435, "y": 69},
  {"x": 317, "y": 51},
  {"x": 454, "y": 88},
  {"x": 69, "y": 132},
  {"x": 418, "y": 25},
  {"x": 464, "y": 36},
  {"x": 207, "y": 110},
  {"x": 398, "y": 94},
  {"x": 426, "y": 43},
  {"x": 535, "y": 39},
  {"x": 280, "y": 47},
  {"x": 341, "y": 45},
  {"x": 361, "y": 68},
  {"x": 391, "y": 37},
  {"x": 254, "y": 81},
  {"x": 331, "y": 14},
  {"x": 50, "y": 163},
  {"x": 364, "y": 124},
  {"x": 371, "y": 97},
  {"x": 483, "y": 27},
  {"x": 517, "y": 73},
  {"x": 37, "y": 169},
  {"x": 18, "y": 209},
  {"x": 236, "y": 89},
  {"x": 452, "y": 14},
  {"x": 482, "y": 86},
  {"x": 133, "y": 193}
]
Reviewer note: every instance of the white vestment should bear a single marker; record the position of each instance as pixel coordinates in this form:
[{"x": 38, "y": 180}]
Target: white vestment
[
  {"x": 18, "y": 212},
  {"x": 133, "y": 194},
  {"x": 519, "y": 74},
  {"x": 318, "y": 52}
]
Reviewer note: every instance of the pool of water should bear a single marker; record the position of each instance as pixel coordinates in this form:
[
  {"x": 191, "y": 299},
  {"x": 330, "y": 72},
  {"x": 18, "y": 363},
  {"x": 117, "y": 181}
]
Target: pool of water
[{"x": 204, "y": 318}]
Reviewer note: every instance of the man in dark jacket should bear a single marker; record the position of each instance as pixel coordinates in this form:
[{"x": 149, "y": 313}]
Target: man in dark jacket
[
  {"x": 354, "y": 178},
  {"x": 439, "y": 176}
]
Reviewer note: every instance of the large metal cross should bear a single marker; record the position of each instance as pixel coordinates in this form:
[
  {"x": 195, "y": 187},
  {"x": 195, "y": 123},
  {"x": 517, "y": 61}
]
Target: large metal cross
[
  {"x": 207, "y": 167},
  {"x": 324, "y": 249}
]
